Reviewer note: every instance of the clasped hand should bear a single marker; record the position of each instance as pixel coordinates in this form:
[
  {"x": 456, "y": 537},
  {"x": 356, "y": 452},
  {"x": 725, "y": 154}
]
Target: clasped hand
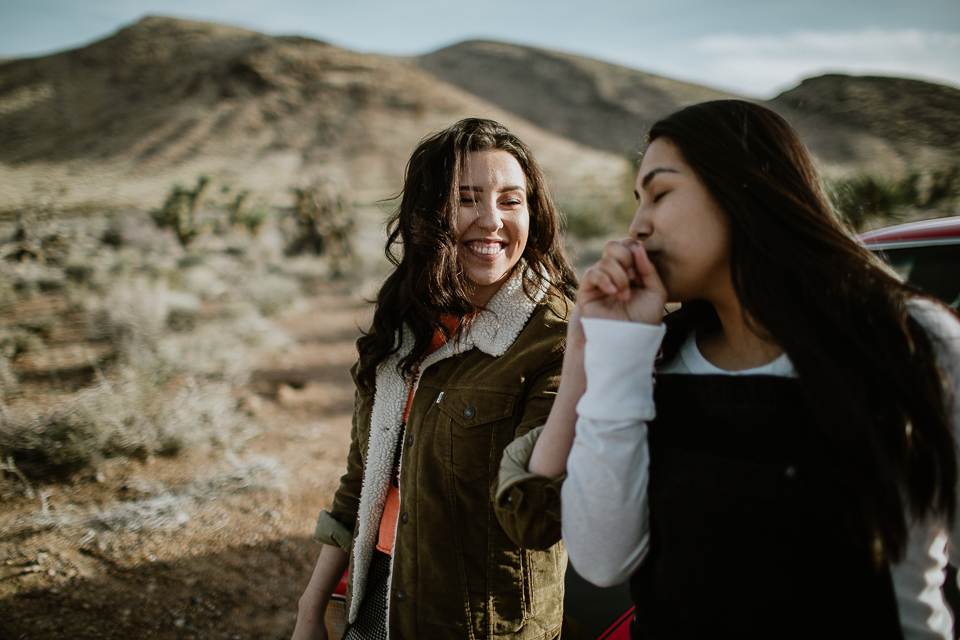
[{"x": 623, "y": 285}]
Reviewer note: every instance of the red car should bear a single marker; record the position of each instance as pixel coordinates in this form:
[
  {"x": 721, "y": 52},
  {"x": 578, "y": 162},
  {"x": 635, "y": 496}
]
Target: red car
[{"x": 925, "y": 253}]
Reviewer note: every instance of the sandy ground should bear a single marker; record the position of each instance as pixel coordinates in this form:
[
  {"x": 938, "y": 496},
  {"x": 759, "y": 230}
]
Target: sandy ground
[{"x": 200, "y": 545}]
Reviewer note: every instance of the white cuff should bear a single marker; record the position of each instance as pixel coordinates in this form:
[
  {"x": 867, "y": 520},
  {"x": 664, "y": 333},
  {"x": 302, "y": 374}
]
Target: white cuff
[{"x": 618, "y": 359}]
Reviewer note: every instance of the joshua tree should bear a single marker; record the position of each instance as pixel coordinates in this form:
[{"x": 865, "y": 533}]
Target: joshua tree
[
  {"x": 179, "y": 212},
  {"x": 323, "y": 225}
]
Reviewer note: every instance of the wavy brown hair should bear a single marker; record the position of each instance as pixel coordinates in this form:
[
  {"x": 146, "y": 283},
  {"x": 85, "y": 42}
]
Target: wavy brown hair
[
  {"x": 422, "y": 245},
  {"x": 865, "y": 365}
]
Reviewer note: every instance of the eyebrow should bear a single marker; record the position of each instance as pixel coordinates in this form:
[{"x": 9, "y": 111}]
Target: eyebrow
[
  {"x": 480, "y": 189},
  {"x": 647, "y": 178}
]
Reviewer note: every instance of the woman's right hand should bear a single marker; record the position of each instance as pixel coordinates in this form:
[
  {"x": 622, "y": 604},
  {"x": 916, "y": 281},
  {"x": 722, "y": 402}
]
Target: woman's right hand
[
  {"x": 310, "y": 631},
  {"x": 311, "y": 625},
  {"x": 623, "y": 285}
]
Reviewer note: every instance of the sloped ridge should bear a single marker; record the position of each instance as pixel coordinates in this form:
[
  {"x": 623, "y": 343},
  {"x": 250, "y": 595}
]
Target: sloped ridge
[
  {"x": 154, "y": 84},
  {"x": 897, "y": 109},
  {"x": 167, "y": 99},
  {"x": 595, "y": 103}
]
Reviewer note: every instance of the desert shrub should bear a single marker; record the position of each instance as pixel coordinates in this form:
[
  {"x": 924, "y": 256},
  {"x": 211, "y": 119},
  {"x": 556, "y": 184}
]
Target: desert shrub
[
  {"x": 134, "y": 311},
  {"x": 59, "y": 443},
  {"x": 944, "y": 185},
  {"x": 871, "y": 196},
  {"x": 79, "y": 272},
  {"x": 597, "y": 217},
  {"x": 135, "y": 415},
  {"x": 8, "y": 377},
  {"x": 324, "y": 226},
  {"x": 179, "y": 211},
  {"x": 23, "y": 338},
  {"x": 246, "y": 214},
  {"x": 214, "y": 352},
  {"x": 181, "y": 312},
  {"x": 269, "y": 291},
  {"x": 602, "y": 214},
  {"x": 30, "y": 277},
  {"x": 307, "y": 271}
]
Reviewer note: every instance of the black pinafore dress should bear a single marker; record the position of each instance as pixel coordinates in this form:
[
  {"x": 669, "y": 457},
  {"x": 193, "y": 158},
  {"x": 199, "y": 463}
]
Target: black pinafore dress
[{"x": 747, "y": 539}]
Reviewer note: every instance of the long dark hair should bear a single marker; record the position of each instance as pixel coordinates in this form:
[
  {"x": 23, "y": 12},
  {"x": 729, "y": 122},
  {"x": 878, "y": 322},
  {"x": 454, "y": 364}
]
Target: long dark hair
[
  {"x": 866, "y": 366},
  {"x": 427, "y": 278}
]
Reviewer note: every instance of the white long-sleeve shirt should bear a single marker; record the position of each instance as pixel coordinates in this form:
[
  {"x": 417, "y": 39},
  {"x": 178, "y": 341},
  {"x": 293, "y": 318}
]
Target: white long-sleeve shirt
[{"x": 608, "y": 467}]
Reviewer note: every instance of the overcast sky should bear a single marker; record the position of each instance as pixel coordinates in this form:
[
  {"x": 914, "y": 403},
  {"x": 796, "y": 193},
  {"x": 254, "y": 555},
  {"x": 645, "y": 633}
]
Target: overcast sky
[{"x": 752, "y": 47}]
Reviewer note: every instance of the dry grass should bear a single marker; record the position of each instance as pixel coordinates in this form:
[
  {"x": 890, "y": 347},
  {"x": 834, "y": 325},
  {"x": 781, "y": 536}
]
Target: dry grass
[{"x": 178, "y": 325}]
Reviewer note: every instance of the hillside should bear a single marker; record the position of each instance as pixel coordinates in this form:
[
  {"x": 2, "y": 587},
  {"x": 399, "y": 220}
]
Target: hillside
[
  {"x": 162, "y": 100},
  {"x": 116, "y": 123},
  {"x": 597, "y": 104},
  {"x": 899, "y": 121},
  {"x": 852, "y": 124}
]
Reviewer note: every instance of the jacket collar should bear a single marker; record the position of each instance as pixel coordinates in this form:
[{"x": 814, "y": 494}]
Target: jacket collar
[{"x": 493, "y": 331}]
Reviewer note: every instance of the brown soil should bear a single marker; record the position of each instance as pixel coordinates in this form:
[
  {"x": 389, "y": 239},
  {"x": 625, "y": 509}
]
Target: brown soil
[{"x": 200, "y": 545}]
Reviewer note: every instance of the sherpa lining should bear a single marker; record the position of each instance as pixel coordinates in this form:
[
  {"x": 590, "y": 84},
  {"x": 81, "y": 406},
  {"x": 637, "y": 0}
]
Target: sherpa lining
[{"x": 493, "y": 332}]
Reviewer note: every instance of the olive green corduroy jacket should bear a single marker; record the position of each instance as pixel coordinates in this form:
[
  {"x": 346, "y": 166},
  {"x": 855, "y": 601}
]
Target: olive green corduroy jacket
[{"x": 456, "y": 573}]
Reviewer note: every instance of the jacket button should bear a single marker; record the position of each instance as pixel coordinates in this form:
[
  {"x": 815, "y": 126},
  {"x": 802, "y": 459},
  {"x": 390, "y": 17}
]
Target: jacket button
[
  {"x": 410, "y": 440},
  {"x": 401, "y": 595},
  {"x": 469, "y": 412},
  {"x": 404, "y": 518},
  {"x": 432, "y": 370},
  {"x": 790, "y": 471}
]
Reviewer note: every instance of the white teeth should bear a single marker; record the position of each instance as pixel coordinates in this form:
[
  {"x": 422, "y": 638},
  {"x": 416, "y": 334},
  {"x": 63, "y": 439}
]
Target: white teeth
[{"x": 486, "y": 249}]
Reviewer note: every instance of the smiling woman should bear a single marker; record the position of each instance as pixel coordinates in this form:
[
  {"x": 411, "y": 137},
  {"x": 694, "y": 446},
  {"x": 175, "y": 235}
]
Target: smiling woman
[
  {"x": 493, "y": 221},
  {"x": 463, "y": 357}
]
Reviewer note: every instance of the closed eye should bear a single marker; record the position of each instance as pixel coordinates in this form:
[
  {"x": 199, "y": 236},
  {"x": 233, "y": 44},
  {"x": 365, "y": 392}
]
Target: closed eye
[{"x": 659, "y": 196}]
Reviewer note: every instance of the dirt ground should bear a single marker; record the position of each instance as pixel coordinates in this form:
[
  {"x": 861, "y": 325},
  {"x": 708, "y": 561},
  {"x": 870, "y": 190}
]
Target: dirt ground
[{"x": 198, "y": 545}]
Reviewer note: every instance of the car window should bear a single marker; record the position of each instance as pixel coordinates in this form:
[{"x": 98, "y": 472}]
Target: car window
[{"x": 933, "y": 269}]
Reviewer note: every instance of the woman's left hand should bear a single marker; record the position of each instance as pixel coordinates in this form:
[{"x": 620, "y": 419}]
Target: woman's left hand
[{"x": 623, "y": 285}]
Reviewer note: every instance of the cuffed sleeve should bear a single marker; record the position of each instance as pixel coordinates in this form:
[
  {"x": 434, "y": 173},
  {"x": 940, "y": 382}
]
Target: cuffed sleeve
[
  {"x": 527, "y": 505},
  {"x": 605, "y": 509},
  {"x": 330, "y": 531},
  {"x": 619, "y": 363}
]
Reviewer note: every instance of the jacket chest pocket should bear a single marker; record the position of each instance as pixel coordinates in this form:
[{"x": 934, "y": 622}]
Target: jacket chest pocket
[{"x": 477, "y": 420}]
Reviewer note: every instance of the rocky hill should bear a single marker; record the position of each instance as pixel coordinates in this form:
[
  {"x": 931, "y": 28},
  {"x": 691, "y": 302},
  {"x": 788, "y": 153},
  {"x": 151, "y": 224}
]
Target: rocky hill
[
  {"x": 851, "y": 123},
  {"x": 118, "y": 121},
  {"x": 864, "y": 120},
  {"x": 595, "y": 103}
]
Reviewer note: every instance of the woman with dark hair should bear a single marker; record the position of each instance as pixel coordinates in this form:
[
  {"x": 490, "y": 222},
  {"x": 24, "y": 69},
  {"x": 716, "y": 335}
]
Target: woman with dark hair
[
  {"x": 463, "y": 357},
  {"x": 778, "y": 457}
]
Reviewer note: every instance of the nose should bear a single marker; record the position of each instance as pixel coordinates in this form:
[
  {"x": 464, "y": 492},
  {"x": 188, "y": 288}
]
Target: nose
[
  {"x": 489, "y": 217},
  {"x": 641, "y": 226}
]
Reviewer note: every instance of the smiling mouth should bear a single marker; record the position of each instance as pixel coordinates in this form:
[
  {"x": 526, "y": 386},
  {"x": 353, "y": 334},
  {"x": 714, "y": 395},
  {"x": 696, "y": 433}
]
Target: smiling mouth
[{"x": 485, "y": 248}]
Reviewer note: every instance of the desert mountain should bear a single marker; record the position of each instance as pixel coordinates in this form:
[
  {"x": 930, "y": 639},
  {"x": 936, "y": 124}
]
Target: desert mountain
[
  {"x": 851, "y": 123},
  {"x": 118, "y": 121},
  {"x": 595, "y": 103},
  {"x": 164, "y": 100},
  {"x": 849, "y": 118}
]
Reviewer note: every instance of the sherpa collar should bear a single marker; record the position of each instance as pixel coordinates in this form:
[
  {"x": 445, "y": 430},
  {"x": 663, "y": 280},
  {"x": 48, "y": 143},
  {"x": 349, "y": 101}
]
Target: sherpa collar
[{"x": 493, "y": 332}]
